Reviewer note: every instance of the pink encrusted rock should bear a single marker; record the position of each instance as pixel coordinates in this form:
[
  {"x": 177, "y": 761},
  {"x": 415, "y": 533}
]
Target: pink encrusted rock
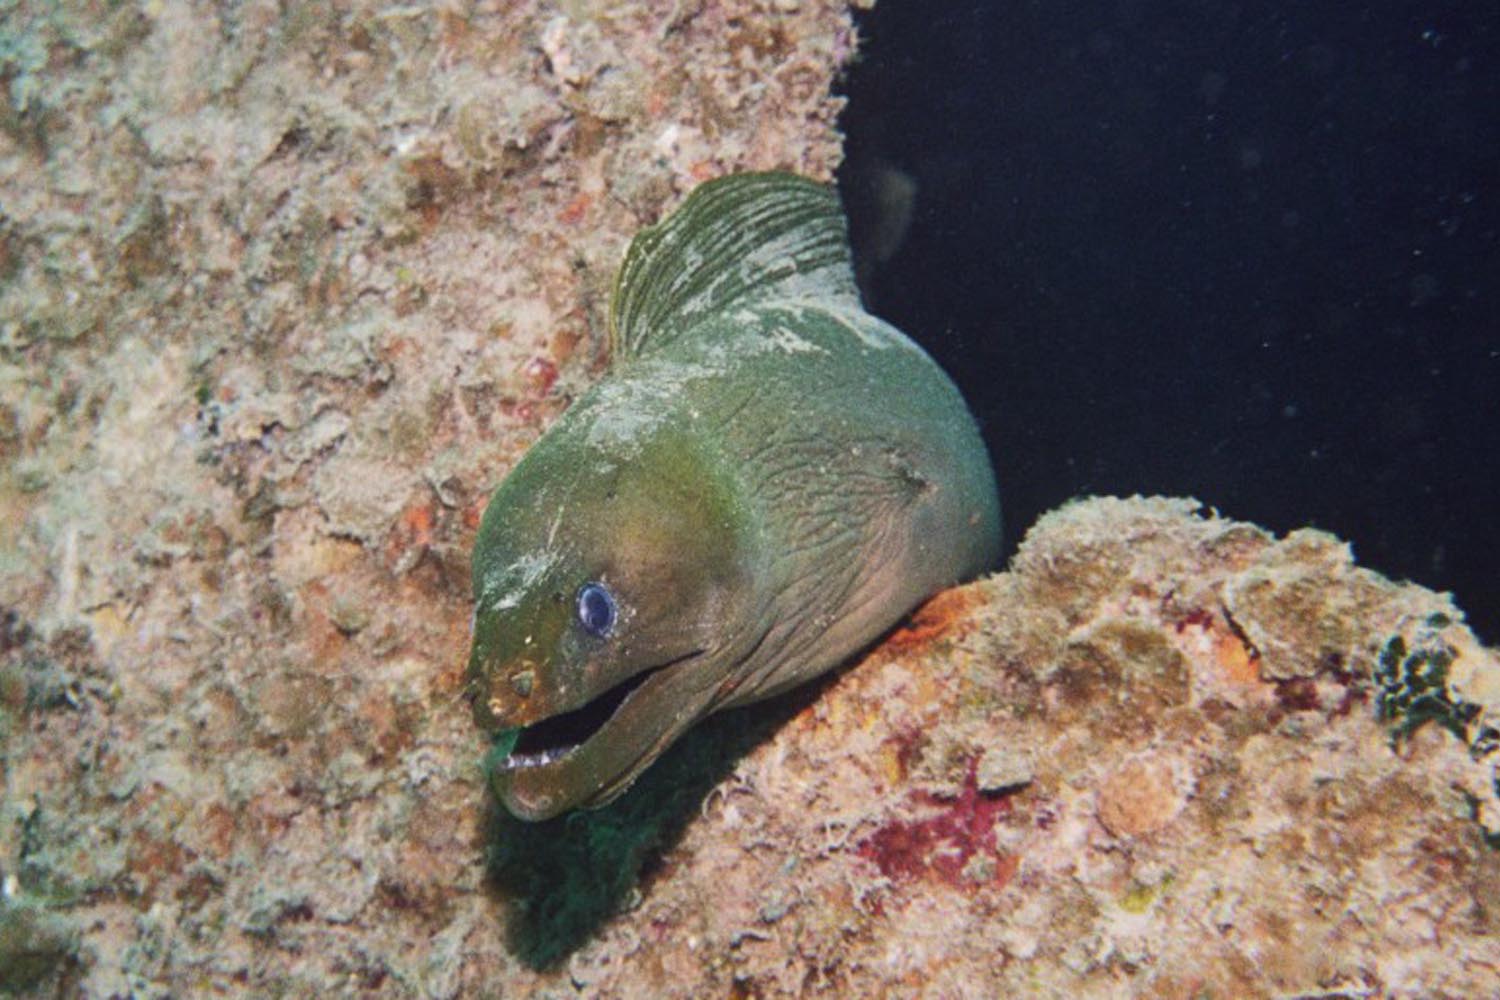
[{"x": 1139, "y": 797}]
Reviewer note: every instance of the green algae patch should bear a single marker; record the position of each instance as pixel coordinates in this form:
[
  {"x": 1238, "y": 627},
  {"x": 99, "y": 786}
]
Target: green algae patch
[
  {"x": 1437, "y": 673},
  {"x": 1414, "y": 685}
]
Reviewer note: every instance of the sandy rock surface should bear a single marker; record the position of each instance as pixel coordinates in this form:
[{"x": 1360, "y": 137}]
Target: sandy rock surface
[{"x": 286, "y": 289}]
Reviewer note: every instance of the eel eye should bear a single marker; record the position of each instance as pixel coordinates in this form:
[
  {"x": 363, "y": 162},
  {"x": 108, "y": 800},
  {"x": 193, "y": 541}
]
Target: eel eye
[{"x": 596, "y": 609}]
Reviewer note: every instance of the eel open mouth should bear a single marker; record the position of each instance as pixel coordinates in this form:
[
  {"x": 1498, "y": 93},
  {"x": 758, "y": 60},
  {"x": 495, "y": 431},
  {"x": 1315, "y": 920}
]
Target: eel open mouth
[{"x": 554, "y": 738}]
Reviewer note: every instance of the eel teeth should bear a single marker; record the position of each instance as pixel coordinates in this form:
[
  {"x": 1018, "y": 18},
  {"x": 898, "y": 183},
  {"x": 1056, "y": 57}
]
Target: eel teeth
[{"x": 517, "y": 761}]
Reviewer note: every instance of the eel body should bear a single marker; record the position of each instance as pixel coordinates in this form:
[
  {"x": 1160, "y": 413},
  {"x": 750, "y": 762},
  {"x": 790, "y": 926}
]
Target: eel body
[{"x": 766, "y": 479}]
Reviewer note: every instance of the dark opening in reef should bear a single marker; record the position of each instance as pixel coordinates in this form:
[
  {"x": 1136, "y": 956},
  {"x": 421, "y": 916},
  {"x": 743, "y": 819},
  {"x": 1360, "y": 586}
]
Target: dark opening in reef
[{"x": 1239, "y": 252}]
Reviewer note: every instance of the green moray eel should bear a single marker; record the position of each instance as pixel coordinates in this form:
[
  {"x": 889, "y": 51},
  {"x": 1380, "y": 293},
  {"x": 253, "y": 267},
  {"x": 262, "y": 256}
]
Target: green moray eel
[{"x": 766, "y": 479}]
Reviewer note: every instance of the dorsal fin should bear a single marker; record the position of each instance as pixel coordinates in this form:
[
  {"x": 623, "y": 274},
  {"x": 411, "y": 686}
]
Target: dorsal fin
[{"x": 736, "y": 240}]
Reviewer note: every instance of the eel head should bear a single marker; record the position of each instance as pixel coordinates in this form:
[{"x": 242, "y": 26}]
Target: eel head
[{"x": 610, "y": 603}]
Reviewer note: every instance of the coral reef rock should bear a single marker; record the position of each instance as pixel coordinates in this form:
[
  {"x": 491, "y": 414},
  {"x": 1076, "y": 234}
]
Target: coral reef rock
[
  {"x": 1159, "y": 756},
  {"x": 286, "y": 289}
]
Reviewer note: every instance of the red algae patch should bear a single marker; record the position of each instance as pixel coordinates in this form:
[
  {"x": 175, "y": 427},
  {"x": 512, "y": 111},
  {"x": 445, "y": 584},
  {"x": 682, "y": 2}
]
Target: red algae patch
[{"x": 954, "y": 845}]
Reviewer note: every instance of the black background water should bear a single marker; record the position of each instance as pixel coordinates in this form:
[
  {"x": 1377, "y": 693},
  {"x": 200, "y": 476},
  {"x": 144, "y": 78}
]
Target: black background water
[{"x": 1241, "y": 252}]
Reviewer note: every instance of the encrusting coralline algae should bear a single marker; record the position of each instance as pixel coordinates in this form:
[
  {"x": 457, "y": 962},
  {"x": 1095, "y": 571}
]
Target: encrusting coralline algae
[{"x": 285, "y": 292}]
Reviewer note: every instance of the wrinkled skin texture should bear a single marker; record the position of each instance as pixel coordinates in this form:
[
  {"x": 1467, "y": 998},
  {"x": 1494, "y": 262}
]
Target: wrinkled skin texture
[{"x": 767, "y": 479}]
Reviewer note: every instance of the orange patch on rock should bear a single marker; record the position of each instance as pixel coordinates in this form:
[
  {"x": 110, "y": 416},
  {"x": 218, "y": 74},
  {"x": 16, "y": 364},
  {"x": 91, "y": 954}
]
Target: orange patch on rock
[
  {"x": 1228, "y": 651},
  {"x": 939, "y": 615},
  {"x": 1235, "y": 659},
  {"x": 418, "y": 521},
  {"x": 474, "y": 512},
  {"x": 573, "y": 212},
  {"x": 217, "y": 824},
  {"x": 566, "y": 337},
  {"x": 413, "y": 530}
]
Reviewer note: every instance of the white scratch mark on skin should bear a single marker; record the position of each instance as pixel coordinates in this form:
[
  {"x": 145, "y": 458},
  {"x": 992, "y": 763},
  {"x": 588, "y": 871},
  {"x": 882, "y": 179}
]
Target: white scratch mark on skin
[
  {"x": 518, "y": 578},
  {"x": 871, "y": 331},
  {"x": 789, "y": 342},
  {"x": 876, "y": 334},
  {"x": 628, "y": 411}
]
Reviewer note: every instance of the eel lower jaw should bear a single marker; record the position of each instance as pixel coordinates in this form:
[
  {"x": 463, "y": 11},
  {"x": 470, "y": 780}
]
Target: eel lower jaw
[{"x": 540, "y": 769}]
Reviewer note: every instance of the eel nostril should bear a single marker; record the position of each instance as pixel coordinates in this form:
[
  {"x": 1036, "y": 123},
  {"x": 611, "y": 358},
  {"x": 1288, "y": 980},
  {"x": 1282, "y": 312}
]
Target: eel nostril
[{"x": 523, "y": 682}]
